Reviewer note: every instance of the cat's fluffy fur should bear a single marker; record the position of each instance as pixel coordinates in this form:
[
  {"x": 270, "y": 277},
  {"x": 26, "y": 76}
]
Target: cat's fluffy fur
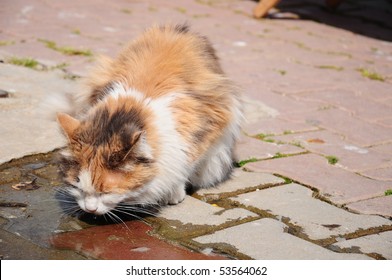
[{"x": 158, "y": 117}]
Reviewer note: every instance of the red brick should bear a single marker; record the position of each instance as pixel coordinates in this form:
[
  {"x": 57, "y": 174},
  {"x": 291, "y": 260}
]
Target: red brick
[{"x": 118, "y": 242}]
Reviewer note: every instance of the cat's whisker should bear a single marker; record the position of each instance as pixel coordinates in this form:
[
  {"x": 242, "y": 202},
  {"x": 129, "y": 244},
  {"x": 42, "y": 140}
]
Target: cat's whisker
[
  {"x": 140, "y": 209},
  {"x": 130, "y": 214},
  {"x": 118, "y": 219}
]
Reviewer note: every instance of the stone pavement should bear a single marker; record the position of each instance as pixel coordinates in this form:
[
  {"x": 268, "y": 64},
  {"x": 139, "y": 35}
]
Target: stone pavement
[{"x": 315, "y": 160}]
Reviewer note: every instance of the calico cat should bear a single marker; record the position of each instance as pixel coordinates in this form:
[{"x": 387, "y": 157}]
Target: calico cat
[{"x": 160, "y": 116}]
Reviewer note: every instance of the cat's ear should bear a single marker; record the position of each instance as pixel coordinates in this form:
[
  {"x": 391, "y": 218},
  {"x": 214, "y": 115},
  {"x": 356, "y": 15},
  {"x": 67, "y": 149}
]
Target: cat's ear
[
  {"x": 68, "y": 124},
  {"x": 140, "y": 146}
]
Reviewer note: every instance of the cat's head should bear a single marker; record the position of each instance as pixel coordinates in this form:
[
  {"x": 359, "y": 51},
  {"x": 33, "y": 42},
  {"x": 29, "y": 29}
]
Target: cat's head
[{"x": 108, "y": 158}]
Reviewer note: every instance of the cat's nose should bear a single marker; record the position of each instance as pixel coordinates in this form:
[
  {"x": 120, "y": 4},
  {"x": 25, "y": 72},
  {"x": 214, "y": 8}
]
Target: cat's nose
[
  {"x": 91, "y": 204},
  {"x": 91, "y": 209}
]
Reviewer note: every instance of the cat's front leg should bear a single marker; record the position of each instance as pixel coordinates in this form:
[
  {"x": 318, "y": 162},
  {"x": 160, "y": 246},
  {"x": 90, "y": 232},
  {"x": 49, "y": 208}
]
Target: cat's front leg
[{"x": 177, "y": 195}]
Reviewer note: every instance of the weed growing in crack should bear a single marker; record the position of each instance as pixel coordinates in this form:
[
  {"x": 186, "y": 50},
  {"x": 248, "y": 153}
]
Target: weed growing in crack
[
  {"x": 25, "y": 62},
  {"x": 66, "y": 49},
  {"x": 371, "y": 75},
  {"x": 243, "y": 162},
  {"x": 332, "y": 160},
  {"x": 331, "y": 67}
]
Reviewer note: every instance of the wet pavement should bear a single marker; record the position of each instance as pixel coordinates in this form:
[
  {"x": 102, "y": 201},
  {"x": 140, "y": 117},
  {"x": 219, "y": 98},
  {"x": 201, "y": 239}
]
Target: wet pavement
[{"x": 315, "y": 159}]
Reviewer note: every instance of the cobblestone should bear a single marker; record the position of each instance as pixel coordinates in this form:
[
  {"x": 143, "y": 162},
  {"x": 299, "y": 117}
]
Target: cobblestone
[{"x": 265, "y": 235}]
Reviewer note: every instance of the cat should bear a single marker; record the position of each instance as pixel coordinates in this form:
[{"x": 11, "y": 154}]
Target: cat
[{"x": 159, "y": 117}]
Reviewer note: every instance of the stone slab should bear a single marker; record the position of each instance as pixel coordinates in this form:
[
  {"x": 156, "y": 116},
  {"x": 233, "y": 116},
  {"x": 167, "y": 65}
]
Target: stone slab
[
  {"x": 356, "y": 130},
  {"x": 241, "y": 180},
  {"x": 327, "y": 143},
  {"x": 379, "y": 205},
  {"x": 338, "y": 185},
  {"x": 25, "y": 128},
  {"x": 376, "y": 243},
  {"x": 349, "y": 101},
  {"x": 318, "y": 219},
  {"x": 266, "y": 239},
  {"x": 252, "y": 148},
  {"x": 382, "y": 174},
  {"x": 196, "y": 212}
]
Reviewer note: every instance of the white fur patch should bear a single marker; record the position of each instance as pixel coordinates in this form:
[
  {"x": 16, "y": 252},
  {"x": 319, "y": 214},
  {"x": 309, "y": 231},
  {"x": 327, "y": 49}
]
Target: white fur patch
[
  {"x": 173, "y": 162},
  {"x": 118, "y": 90},
  {"x": 85, "y": 182}
]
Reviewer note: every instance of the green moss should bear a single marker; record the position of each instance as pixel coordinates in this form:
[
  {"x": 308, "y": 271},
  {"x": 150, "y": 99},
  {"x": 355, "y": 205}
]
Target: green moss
[
  {"x": 196, "y": 16},
  {"x": 262, "y": 136},
  {"x": 371, "y": 75},
  {"x": 25, "y": 62},
  {"x": 331, "y": 67},
  {"x": 279, "y": 155},
  {"x": 332, "y": 160},
  {"x": 6, "y": 43},
  {"x": 243, "y": 162},
  {"x": 282, "y": 72},
  {"x": 66, "y": 49},
  {"x": 339, "y": 54},
  {"x": 181, "y": 10},
  {"x": 388, "y": 192},
  {"x": 76, "y": 31},
  {"x": 297, "y": 144},
  {"x": 126, "y": 11}
]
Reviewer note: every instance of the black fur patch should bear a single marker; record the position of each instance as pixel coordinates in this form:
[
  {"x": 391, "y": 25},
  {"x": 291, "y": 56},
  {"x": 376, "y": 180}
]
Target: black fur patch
[
  {"x": 182, "y": 28},
  {"x": 104, "y": 126},
  {"x": 66, "y": 165},
  {"x": 99, "y": 93}
]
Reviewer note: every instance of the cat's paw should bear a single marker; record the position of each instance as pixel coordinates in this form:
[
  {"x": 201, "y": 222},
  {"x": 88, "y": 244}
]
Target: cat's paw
[{"x": 177, "y": 196}]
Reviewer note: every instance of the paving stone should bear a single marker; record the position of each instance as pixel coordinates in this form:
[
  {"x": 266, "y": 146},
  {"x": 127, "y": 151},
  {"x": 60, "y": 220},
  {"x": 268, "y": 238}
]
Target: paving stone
[
  {"x": 385, "y": 149},
  {"x": 275, "y": 126},
  {"x": 255, "y": 111},
  {"x": 252, "y": 148},
  {"x": 24, "y": 128},
  {"x": 265, "y": 234},
  {"x": 382, "y": 174},
  {"x": 349, "y": 101},
  {"x": 130, "y": 242},
  {"x": 327, "y": 143},
  {"x": 376, "y": 243},
  {"x": 379, "y": 205},
  {"x": 338, "y": 185},
  {"x": 357, "y": 131},
  {"x": 318, "y": 219},
  {"x": 241, "y": 180},
  {"x": 206, "y": 214}
]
